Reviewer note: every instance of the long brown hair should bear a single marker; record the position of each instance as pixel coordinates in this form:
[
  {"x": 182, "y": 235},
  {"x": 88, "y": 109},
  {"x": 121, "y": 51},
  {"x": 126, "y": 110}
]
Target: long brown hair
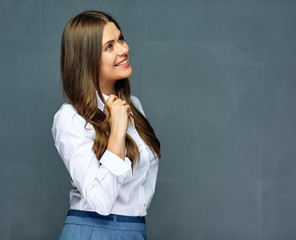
[{"x": 81, "y": 50}]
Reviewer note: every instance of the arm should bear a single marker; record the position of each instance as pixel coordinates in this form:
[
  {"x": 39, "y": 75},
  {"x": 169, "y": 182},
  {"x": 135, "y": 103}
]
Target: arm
[
  {"x": 99, "y": 185},
  {"x": 118, "y": 121}
]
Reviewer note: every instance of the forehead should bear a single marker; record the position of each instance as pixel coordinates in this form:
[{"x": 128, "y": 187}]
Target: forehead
[{"x": 110, "y": 32}]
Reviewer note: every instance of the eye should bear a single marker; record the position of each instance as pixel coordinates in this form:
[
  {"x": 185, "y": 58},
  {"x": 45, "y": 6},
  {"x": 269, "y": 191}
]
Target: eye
[
  {"x": 121, "y": 38},
  {"x": 109, "y": 46}
]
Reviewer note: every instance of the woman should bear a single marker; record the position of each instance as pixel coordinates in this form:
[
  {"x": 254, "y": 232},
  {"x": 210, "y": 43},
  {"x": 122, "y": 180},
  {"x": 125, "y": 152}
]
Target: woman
[{"x": 101, "y": 133}]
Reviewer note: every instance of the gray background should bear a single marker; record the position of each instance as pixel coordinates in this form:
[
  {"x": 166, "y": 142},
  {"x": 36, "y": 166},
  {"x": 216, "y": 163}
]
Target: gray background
[{"x": 217, "y": 82}]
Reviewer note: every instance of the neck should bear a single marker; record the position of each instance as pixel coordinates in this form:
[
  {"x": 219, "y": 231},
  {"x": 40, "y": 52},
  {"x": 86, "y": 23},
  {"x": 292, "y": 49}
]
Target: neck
[{"x": 108, "y": 89}]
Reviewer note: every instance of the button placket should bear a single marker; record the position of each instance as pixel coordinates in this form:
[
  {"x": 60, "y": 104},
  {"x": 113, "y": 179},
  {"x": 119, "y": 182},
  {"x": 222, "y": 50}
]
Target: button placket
[{"x": 142, "y": 191}]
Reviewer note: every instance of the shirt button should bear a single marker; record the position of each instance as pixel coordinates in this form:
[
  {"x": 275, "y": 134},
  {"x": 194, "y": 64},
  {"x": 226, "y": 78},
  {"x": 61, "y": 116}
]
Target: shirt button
[
  {"x": 142, "y": 184},
  {"x": 147, "y": 164},
  {"x": 144, "y": 205}
]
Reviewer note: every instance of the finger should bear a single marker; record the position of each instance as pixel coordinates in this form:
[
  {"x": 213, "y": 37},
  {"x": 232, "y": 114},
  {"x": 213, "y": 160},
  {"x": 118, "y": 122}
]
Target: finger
[
  {"x": 128, "y": 108},
  {"x": 122, "y": 102},
  {"x": 119, "y": 102},
  {"x": 128, "y": 112},
  {"x": 111, "y": 98}
]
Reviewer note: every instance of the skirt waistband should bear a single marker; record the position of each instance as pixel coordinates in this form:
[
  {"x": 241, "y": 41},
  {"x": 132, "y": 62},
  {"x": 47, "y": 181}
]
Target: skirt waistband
[{"x": 111, "y": 217}]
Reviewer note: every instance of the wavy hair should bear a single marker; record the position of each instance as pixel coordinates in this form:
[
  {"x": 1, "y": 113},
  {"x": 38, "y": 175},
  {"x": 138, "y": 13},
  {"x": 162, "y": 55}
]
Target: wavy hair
[{"x": 81, "y": 51}]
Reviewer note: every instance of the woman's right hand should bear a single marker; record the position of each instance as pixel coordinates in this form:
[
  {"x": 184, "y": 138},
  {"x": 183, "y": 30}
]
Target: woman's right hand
[{"x": 120, "y": 112}]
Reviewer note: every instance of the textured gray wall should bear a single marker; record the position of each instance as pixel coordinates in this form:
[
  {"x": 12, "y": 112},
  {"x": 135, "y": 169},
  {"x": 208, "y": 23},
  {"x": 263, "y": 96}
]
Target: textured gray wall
[{"x": 217, "y": 82}]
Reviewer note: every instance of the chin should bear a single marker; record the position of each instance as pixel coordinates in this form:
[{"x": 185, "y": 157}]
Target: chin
[
  {"x": 128, "y": 73},
  {"x": 123, "y": 74},
  {"x": 131, "y": 71}
]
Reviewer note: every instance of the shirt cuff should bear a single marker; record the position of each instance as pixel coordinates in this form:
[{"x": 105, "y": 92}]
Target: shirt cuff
[{"x": 115, "y": 164}]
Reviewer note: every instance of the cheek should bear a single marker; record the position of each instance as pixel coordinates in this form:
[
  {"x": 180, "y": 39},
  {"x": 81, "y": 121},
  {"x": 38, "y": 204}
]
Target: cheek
[
  {"x": 127, "y": 47},
  {"x": 107, "y": 62}
]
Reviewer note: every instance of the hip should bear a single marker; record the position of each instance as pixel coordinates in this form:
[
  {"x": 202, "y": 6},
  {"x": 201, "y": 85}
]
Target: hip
[{"x": 84, "y": 225}]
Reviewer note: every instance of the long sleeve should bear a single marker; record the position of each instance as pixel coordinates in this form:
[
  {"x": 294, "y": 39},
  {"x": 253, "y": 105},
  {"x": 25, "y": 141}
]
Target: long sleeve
[{"x": 98, "y": 184}]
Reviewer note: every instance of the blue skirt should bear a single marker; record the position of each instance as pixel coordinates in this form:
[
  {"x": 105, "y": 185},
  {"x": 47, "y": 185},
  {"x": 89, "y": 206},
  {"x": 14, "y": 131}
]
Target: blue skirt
[{"x": 85, "y": 225}]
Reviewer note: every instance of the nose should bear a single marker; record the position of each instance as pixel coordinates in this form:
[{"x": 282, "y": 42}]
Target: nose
[{"x": 123, "y": 49}]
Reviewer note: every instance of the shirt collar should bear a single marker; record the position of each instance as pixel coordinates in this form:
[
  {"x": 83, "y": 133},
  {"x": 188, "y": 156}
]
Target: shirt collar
[{"x": 101, "y": 105}]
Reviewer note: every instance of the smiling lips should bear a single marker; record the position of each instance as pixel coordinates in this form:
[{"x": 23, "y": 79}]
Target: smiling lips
[{"x": 123, "y": 62}]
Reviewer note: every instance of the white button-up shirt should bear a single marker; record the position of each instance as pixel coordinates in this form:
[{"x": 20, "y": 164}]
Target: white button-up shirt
[{"x": 109, "y": 188}]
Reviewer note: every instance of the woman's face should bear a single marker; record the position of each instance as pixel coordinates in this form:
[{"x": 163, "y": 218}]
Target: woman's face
[{"x": 115, "y": 56}]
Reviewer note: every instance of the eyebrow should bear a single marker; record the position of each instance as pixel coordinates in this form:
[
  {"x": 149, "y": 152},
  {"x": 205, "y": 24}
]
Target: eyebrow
[{"x": 120, "y": 34}]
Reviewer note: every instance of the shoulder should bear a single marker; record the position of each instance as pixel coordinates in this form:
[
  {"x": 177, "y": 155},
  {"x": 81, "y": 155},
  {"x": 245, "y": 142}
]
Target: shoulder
[
  {"x": 67, "y": 114},
  {"x": 135, "y": 100},
  {"x": 67, "y": 119},
  {"x": 137, "y": 104}
]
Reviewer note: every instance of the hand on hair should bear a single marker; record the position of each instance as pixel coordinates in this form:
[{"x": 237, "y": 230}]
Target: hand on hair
[{"x": 120, "y": 112}]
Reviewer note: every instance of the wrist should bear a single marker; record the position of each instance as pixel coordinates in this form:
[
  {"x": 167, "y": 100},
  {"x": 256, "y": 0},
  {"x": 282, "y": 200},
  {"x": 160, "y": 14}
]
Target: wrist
[
  {"x": 118, "y": 133},
  {"x": 116, "y": 143}
]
